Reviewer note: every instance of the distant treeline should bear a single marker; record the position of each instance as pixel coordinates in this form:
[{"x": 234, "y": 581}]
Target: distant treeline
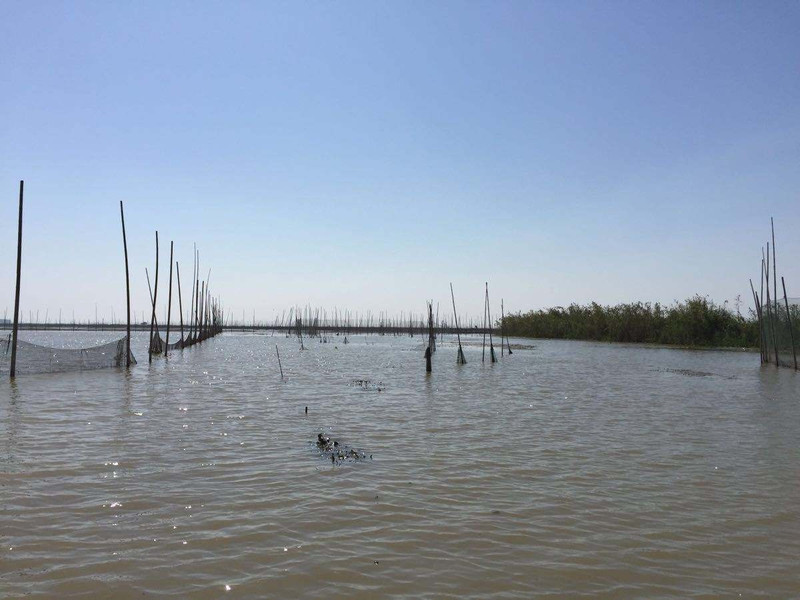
[{"x": 696, "y": 322}]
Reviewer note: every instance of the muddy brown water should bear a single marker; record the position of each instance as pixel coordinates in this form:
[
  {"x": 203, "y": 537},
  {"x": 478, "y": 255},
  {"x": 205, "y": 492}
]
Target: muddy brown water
[{"x": 567, "y": 470}]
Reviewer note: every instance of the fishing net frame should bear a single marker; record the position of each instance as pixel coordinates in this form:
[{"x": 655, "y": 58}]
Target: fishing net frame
[{"x": 35, "y": 358}]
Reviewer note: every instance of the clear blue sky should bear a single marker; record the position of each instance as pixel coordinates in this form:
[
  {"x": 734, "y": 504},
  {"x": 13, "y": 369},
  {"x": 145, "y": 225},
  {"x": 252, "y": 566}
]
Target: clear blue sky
[{"x": 365, "y": 154}]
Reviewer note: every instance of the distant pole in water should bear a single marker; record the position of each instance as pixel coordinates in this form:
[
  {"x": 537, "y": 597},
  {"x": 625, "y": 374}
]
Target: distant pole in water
[
  {"x": 169, "y": 301},
  {"x": 774, "y": 276},
  {"x": 180, "y": 304},
  {"x": 502, "y": 329},
  {"x": 773, "y": 316},
  {"x": 153, "y": 315},
  {"x": 760, "y": 324},
  {"x": 460, "y": 357},
  {"x": 485, "y": 304},
  {"x": 492, "y": 355},
  {"x": 789, "y": 320},
  {"x": 431, "y": 330},
  {"x": 191, "y": 298},
  {"x": 431, "y": 341},
  {"x": 764, "y": 323},
  {"x": 13, "y": 366},
  {"x": 127, "y": 290},
  {"x": 281, "y": 367},
  {"x": 196, "y": 310}
]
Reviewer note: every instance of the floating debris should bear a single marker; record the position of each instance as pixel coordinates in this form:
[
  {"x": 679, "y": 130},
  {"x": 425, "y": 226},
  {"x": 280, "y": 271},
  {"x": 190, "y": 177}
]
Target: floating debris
[
  {"x": 368, "y": 385},
  {"x": 336, "y": 452}
]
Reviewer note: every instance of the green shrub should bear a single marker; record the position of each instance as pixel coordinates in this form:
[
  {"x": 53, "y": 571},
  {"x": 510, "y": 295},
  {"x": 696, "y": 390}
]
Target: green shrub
[{"x": 696, "y": 322}]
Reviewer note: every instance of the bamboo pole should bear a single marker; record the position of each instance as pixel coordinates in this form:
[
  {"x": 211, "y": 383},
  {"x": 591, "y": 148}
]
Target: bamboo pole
[
  {"x": 13, "y": 369},
  {"x": 197, "y": 300},
  {"x": 492, "y": 355},
  {"x": 191, "y": 299},
  {"x": 502, "y": 329},
  {"x": 758, "y": 315},
  {"x": 429, "y": 349},
  {"x": 774, "y": 271},
  {"x": 460, "y": 357},
  {"x": 150, "y": 291},
  {"x": 789, "y": 320},
  {"x": 761, "y": 305},
  {"x": 196, "y": 310},
  {"x": 761, "y": 296},
  {"x": 203, "y": 309},
  {"x": 153, "y": 316},
  {"x": 279, "y": 361},
  {"x": 180, "y": 303},
  {"x": 127, "y": 290},
  {"x": 772, "y": 317},
  {"x": 485, "y": 307},
  {"x": 169, "y": 301}
]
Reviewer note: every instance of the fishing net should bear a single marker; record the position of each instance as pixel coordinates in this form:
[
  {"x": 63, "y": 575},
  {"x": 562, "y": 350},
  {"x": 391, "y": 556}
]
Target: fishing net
[
  {"x": 33, "y": 358},
  {"x": 159, "y": 345},
  {"x": 460, "y": 358}
]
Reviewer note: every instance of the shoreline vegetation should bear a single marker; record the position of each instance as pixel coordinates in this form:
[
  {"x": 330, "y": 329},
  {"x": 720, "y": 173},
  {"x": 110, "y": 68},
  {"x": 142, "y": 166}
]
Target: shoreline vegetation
[{"x": 694, "y": 323}]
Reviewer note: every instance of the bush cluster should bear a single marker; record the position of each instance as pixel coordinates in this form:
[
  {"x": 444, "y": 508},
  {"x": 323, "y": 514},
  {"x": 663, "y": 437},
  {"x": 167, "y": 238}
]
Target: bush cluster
[{"x": 697, "y": 321}]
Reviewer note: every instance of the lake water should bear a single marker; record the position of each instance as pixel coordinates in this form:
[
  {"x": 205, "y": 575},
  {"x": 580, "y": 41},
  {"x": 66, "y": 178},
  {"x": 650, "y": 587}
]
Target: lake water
[{"x": 567, "y": 470}]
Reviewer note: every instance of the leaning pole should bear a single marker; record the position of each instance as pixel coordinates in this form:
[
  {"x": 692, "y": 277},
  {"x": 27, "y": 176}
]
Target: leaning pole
[
  {"x": 13, "y": 369},
  {"x": 127, "y": 289}
]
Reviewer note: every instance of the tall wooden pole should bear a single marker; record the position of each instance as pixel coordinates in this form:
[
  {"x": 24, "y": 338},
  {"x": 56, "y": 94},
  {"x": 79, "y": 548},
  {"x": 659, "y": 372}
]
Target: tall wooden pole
[
  {"x": 202, "y": 308},
  {"x": 758, "y": 315},
  {"x": 180, "y": 304},
  {"x": 153, "y": 316},
  {"x": 492, "y": 355},
  {"x": 191, "y": 299},
  {"x": 197, "y": 298},
  {"x": 196, "y": 310},
  {"x": 127, "y": 289},
  {"x": 764, "y": 318},
  {"x": 774, "y": 270},
  {"x": 13, "y": 368},
  {"x": 429, "y": 349},
  {"x": 280, "y": 366},
  {"x": 789, "y": 320},
  {"x": 460, "y": 358},
  {"x": 169, "y": 300},
  {"x": 773, "y": 316},
  {"x": 483, "y": 345},
  {"x": 502, "y": 328}
]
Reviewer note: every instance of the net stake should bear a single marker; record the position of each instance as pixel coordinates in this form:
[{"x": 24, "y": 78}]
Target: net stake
[
  {"x": 789, "y": 319},
  {"x": 153, "y": 316},
  {"x": 281, "y": 367},
  {"x": 127, "y": 290},
  {"x": 16, "y": 294},
  {"x": 169, "y": 301}
]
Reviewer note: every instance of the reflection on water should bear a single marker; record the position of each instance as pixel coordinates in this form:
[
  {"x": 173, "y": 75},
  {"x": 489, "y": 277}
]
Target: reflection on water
[{"x": 568, "y": 469}]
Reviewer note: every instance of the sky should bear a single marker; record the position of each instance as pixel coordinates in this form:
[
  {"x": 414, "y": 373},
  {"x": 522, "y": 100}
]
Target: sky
[{"x": 363, "y": 155}]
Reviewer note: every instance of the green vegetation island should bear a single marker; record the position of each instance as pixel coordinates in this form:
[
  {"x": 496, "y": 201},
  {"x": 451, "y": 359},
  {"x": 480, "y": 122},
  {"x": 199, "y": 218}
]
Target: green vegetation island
[{"x": 696, "y": 322}]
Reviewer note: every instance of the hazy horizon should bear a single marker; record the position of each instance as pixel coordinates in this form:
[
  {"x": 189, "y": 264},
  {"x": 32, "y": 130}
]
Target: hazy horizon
[{"x": 363, "y": 156}]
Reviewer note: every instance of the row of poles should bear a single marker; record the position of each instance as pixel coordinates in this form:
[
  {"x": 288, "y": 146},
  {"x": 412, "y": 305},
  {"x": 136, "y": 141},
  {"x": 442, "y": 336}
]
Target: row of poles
[
  {"x": 316, "y": 321},
  {"x": 487, "y": 321},
  {"x": 208, "y": 314},
  {"x": 767, "y": 310},
  {"x": 207, "y": 319},
  {"x": 205, "y": 310}
]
